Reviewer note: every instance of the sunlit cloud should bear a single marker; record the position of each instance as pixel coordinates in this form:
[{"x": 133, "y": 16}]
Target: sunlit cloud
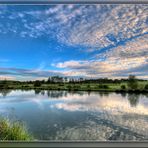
[
  {"x": 3, "y": 77},
  {"x": 110, "y": 67},
  {"x": 28, "y": 74},
  {"x": 77, "y": 26},
  {"x": 114, "y": 37}
]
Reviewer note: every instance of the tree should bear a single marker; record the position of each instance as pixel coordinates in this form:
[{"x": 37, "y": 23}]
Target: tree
[
  {"x": 81, "y": 79},
  {"x": 101, "y": 86},
  {"x": 37, "y": 83},
  {"x": 65, "y": 79},
  {"x": 132, "y": 82},
  {"x": 123, "y": 87},
  {"x": 49, "y": 80},
  {"x": 88, "y": 87},
  {"x": 146, "y": 87}
]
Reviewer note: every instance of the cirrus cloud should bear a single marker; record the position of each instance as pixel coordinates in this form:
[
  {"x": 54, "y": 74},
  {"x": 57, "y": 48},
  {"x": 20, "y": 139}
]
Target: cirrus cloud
[{"x": 115, "y": 37}]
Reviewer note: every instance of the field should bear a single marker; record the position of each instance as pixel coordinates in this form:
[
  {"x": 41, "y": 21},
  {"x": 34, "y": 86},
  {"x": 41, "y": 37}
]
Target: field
[{"x": 123, "y": 86}]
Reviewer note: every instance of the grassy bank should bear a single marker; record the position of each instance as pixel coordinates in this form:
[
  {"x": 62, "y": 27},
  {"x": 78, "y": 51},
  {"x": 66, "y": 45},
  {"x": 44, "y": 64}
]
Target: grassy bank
[
  {"x": 131, "y": 84},
  {"x": 108, "y": 87},
  {"x": 13, "y": 131}
]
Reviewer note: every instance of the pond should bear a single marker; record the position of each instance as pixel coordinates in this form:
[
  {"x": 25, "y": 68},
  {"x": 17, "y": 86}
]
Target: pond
[{"x": 62, "y": 115}]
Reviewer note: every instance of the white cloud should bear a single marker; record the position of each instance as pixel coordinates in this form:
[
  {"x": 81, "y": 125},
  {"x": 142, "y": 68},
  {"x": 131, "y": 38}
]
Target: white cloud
[
  {"x": 72, "y": 64},
  {"x": 107, "y": 68},
  {"x": 92, "y": 26},
  {"x": 3, "y": 77},
  {"x": 119, "y": 62},
  {"x": 87, "y": 25},
  {"x": 134, "y": 48},
  {"x": 122, "y": 22}
]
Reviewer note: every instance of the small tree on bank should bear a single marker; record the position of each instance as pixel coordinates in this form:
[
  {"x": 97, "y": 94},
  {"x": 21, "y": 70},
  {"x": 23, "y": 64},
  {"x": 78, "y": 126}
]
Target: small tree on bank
[
  {"x": 37, "y": 83},
  {"x": 146, "y": 87},
  {"x": 132, "y": 82},
  {"x": 123, "y": 87}
]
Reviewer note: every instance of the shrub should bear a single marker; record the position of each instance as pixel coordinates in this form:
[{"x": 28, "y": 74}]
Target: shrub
[
  {"x": 88, "y": 87},
  {"x": 146, "y": 87},
  {"x": 123, "y": 87},
  {"x": 37, "y": 83},
  {"x": 69, "y": 87},
  {"x": 103, "y": 86},
  {"x": 132, "y": 82}
]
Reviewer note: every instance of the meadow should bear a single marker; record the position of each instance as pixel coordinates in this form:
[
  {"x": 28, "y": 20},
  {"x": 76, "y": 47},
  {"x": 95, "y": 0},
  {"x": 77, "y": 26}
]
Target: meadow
[{"x": 142, "y": 86}]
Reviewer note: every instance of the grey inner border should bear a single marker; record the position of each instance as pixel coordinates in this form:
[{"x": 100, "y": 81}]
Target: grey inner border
[
  {"x": 73, "y": 1},
  {"x": 73, "y": 144},
  {"x": 49, "y": 144}
]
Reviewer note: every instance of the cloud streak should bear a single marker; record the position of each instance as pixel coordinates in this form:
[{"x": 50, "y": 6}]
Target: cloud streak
[
  {"x": 114, "y": 36},
  {"x": 77, "y": 24}
]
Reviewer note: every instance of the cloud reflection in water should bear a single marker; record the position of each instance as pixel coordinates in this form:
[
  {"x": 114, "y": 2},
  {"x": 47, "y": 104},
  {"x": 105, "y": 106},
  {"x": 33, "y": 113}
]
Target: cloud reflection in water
[{"x": 81, "y": 115}]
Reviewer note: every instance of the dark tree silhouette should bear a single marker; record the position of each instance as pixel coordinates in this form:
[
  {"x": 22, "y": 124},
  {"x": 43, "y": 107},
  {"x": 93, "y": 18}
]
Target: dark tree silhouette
[
  {"x": 132, "y": 82},
  {"x": 146, "y": 87},
  {"x": 37, "y": 83}
]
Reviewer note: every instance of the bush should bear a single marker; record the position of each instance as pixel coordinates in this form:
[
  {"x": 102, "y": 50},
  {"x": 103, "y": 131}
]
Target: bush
[
  {"x": 100, "y": 86},
  {"x": 132, "y": 82},
  {"x": 103, "y": 86},
  {"x": 61, "y": 84},
  {"x": 37, "y": 84},
  {"x": 146, "y": 87},
  {"x": 13, "y": 131},
  {"x": 69, "y": 87},
  {"x": 88, "y": 87},
  {"x": 123, "y": 87}
]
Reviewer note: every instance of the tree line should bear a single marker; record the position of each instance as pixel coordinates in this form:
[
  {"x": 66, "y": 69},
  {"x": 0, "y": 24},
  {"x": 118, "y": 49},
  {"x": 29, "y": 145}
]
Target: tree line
[{"x": 132, "y": 82}]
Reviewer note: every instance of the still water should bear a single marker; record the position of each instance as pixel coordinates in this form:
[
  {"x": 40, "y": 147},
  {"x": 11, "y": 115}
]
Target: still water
[{"x": 62, "y": 115}]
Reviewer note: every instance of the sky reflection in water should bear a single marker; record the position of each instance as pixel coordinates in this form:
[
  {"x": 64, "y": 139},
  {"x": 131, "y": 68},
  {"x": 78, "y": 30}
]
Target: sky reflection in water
[{"x": 61, "y": 115}]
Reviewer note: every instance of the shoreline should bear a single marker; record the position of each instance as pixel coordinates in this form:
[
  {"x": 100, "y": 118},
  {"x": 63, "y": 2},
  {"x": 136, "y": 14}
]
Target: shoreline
[{"x": 76, "y": 89}]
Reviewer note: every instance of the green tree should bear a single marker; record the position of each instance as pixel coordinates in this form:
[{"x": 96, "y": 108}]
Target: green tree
[
  {"x": 123, "y": 87},
  {"x": 37, "y": 83},
  {"x": 132, "y": 82},
  {"x": 146, "y": 87},
  {"x": 105, "y": 86},
  {"x": 88, "y": 87}
]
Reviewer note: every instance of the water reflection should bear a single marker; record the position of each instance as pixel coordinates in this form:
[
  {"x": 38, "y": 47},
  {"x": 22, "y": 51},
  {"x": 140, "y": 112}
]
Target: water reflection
[
  {"x": 56, "y": 94},
  {"x": 133, "y": 99},
  {"x": 5, "y": 92},
  {"x": 123, "y": 94},
  {"x": 37, "y": 91},
  {"x": 62, "y": 115}
]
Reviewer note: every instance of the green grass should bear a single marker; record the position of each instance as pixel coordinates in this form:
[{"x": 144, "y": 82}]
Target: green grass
[
  {"x": 13, "y": 131},
  {"x": 83, "y": 86}
]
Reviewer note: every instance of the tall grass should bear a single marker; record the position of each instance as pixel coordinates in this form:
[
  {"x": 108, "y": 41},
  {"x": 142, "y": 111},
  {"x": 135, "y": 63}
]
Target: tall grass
[{"x": 13, "y": 131}]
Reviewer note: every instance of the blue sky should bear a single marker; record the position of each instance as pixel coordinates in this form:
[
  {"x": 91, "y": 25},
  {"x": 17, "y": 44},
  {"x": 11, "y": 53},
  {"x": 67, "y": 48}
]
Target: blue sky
[{"x": 93, "y": 41}]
